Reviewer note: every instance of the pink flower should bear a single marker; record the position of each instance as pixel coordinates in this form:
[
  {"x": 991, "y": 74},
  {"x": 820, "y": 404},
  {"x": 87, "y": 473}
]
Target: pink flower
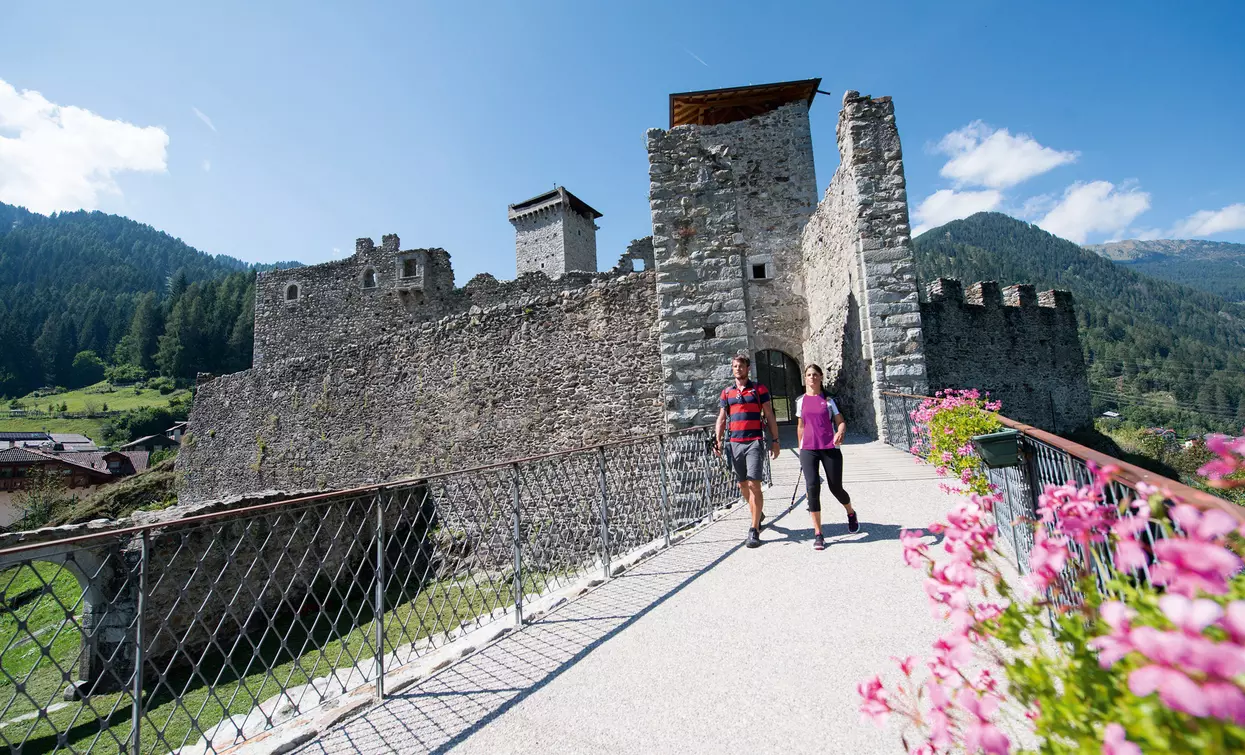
[
  {"x": 1046, "y": 560},
  {"x": 905, "y": 664},
  {"x": 1114, "y": 646},
  {"x": 1191, "y": 616},
  {"x": 1129, "y": 554},
  {"x": 914, "y": 548},
  {"x": 1114, "y": 743},
  {"x": 1226, "y": 701},
  {"x": 1192, "y": 559},
  {"x": 980, "y": 733},
  {"x": 1176, "y": 690},
  {"x": 876, "y": 706},
  {"x": 1234, "y": 621}
]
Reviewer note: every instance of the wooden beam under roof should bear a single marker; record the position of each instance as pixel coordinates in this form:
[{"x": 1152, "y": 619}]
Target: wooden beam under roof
[{"x": 715, "y": 106}]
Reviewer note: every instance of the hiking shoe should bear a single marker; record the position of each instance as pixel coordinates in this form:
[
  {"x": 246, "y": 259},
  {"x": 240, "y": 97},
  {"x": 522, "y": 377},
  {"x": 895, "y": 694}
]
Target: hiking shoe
[
  {"x": 754, "y": 538},
  {"x": 852, "y": 524},
  {"x": 819, "y": 542}
]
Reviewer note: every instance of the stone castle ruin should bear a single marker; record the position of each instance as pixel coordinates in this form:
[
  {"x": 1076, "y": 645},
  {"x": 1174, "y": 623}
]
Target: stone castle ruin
[{"x": 377, "y": 367}]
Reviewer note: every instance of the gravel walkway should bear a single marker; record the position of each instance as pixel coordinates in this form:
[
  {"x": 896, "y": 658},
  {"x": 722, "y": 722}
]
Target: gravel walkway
[{"x": 707, "y": 647}]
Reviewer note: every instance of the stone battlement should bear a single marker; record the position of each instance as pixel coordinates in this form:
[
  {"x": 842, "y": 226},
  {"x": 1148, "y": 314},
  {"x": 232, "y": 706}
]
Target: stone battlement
[{"x": 988, "y": 294}]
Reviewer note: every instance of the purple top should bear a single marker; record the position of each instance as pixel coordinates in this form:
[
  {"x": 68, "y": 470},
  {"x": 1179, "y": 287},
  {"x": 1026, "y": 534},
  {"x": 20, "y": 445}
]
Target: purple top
[{"x": 818, "y": 415}]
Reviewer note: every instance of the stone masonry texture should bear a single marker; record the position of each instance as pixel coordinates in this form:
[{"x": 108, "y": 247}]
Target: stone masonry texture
[
  {"x": 555, "y": 240},
  {"x": 864, "y": 318},
  {"x": 725, "y": 200},
  {"x": 546, "y": 373},
  {"x": 1023, "y": 348}
]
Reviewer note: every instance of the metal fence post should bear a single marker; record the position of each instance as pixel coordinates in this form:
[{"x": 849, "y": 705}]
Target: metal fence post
[
  {"x": 1011, "y": 511},
  {"x": 708, "y": 478},
  {"x": 518, "y": 549},
  {"x": 379, "y": 606},
  {"x": 140, "y": 640},
  {"x": 907, "y": 423},
  {"x": 661, "y": 481},
  {"x": 605, "y": 514}
]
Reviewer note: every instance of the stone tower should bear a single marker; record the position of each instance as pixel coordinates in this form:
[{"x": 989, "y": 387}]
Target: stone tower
[
  {"x": 555, "y": 233},
  {"x": 732, "y": 186}
]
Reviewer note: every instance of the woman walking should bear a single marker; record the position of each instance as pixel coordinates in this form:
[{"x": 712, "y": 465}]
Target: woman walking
[{"x": 820, "y": 428}]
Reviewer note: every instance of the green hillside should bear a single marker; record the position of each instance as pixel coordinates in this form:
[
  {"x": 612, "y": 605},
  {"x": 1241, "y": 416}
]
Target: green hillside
[
  {"x": 1159, "y": 352},
  {"x": 1216, "y": 267},
  {"x": 123, "y": 293}
]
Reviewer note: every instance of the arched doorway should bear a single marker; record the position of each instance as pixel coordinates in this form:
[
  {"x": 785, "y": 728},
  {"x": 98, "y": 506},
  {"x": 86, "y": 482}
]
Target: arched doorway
[{"x": 780, "y": 373}]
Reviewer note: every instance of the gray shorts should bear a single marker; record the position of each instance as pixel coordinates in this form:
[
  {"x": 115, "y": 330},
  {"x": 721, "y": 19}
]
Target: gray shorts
[{"x": 747, "y": 459}]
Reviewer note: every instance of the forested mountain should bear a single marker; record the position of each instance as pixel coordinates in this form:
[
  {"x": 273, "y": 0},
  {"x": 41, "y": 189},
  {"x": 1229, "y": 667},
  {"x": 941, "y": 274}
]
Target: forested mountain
[
  {"x": 1160, "y": 352},
  {"x": 126, "y": 293},
  {"x": 1214, "y": 266}
]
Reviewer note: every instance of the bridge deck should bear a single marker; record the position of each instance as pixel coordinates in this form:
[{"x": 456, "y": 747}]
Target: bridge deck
[{"x": 707, "y": 647}]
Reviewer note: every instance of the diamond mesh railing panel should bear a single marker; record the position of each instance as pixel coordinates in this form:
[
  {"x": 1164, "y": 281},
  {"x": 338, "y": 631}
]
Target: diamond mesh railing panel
[
  {"x": 1042, "y": 464},
  {"x": 67, "y": 638},
  {"x": 252, "y": 616}
]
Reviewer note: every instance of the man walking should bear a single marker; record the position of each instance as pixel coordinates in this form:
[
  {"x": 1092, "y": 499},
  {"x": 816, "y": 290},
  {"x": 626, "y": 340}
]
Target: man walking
[{"x": 741, "y": 406}]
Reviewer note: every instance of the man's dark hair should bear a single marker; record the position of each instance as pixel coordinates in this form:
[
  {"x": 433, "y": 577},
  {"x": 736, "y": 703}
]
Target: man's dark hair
[{"x": 742, "y": 358}]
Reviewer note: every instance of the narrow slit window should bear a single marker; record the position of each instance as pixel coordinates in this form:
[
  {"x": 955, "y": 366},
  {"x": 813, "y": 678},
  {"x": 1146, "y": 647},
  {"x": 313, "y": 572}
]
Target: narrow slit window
[
  {"x": 711, "y": 331},
  {"x": 759, "y": 271},
  {"x": 369, "y": 278},
  {"x": 291, "y": 292}
]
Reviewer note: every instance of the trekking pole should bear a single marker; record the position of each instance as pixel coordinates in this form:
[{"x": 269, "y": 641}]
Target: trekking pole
[{"x": 796, "y": 489}]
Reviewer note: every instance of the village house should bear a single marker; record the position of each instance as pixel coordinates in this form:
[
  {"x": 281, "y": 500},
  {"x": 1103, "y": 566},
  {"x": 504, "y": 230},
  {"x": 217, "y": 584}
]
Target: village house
[{"x": 81, "y": 471}]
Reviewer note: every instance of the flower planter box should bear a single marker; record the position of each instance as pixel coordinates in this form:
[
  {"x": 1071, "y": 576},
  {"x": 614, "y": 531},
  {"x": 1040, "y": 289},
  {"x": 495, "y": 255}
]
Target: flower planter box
[{"x": 1001, "y": 449}]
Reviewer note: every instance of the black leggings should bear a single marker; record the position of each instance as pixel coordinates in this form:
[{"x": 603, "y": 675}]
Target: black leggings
[{"x": 832, "y": 460}]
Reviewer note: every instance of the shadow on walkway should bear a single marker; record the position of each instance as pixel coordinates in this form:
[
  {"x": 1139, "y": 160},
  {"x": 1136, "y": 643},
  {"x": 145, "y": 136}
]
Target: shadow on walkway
[{"x": 447, "y": 708}]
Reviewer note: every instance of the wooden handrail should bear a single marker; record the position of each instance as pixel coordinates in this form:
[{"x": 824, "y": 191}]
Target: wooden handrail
[{"x": 1129, "y": 474}]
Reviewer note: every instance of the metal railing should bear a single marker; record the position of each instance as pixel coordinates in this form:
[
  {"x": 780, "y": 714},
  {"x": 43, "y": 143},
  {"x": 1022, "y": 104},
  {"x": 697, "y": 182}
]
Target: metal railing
[
  {"x": 212, "y": 628},
  {"x": 1047, "y": 459}
]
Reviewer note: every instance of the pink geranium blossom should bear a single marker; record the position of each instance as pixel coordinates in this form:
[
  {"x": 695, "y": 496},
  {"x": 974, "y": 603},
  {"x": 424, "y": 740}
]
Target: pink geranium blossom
[
  {"x": 1115, "y": 743},
  {"x": 876, "y": 706},
  {"x": 981, "y": 735},
  {"x": 1197, "y": 560}
]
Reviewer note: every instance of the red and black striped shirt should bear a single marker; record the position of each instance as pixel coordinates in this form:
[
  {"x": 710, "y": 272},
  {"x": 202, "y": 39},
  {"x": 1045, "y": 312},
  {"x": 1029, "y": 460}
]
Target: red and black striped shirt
[{"x": 745, "y": 407}]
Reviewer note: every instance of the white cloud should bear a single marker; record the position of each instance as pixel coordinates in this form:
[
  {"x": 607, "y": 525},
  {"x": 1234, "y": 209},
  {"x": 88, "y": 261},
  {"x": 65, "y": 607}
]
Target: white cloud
[
  {"x": 55, "y": 157},
  {"x": 203, "y": 117},
  {"x": 1037, "y": 205},
  {"x": 1092, "y": 207},
  {"x": 983, "y": 156},
  {"x": 207, "y": 166},
  {"x": 1210, "y": 222},
  {"x": 946, "y": 205}
]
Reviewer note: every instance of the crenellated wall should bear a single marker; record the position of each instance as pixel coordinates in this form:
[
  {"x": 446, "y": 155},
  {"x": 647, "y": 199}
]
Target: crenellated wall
[
  {"x": 1019, "y": 345},
  {"x": 337, "y": 302}
]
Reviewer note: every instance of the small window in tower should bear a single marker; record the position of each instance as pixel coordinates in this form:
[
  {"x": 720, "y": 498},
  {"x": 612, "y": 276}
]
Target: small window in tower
[
  {"x": 410, "y": 268},
  {"x": 369, "y": 278},
  {"x": 637, "y": 266},
  {"x": 760, "y": 271},
  {"x": 711, "y": 331},
  {"x": 291, "y": 292}
]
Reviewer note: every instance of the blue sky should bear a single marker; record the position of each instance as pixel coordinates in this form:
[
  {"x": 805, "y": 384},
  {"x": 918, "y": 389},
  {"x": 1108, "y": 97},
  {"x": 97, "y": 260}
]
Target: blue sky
[{"x": 286, "y": 131}]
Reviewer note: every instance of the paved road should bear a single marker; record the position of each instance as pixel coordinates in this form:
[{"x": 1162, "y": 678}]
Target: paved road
[{"x": 707, "y": 647}]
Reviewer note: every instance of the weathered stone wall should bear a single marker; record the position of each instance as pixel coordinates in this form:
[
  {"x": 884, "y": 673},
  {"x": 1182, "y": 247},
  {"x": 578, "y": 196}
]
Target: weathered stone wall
[
  {"x": 547, "y": 373},
  {"x": 698, "y": 255},
  {"x": 859, "y": 267},
  {"x": 771, "y": 161},
  {"x": 579, "y": 239},
  {"x": 1023, "y": 348},
  {"x": 833, "y": 285},
  {"x": 725, "y": 198},
  {"x": 637, "y": 257},
  {"x": 538, "y": 243},
  {"x": 335, "y": 302}
]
